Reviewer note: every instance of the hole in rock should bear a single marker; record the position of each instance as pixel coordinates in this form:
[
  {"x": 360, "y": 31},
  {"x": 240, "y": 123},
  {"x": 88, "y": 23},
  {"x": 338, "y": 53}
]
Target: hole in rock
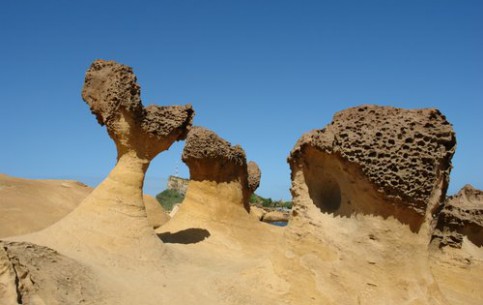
[{"x": 326, "y": 195}]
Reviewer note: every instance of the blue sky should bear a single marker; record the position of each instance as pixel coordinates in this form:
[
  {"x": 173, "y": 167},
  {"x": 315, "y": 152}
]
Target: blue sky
[{"x": 259, "y": 73}]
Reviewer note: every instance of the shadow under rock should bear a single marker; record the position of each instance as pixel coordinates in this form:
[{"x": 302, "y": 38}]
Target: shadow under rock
[{"x": 188, "y": 236}]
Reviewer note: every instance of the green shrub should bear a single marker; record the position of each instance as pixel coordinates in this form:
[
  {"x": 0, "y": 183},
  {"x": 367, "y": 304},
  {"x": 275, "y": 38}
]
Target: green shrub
[
  {"x": 268, "y": 202},
  {"x": 168, "y": 198}
]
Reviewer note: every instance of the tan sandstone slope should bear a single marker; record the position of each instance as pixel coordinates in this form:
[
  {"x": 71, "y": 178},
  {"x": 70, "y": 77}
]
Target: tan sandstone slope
[{"x": 28, "y": 205}]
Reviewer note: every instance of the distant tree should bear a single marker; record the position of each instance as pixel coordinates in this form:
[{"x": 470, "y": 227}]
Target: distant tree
[{"x": 168, "y": 198}]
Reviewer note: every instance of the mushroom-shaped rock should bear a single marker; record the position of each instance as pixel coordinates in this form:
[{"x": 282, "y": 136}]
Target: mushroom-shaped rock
[
  {"x": 254, "y": 175},
  {"x": 364, "y": 189},
  {"x": 111, "y": 91},
  {"x": 216, "y": 200},
  {"x": 402, "y": 158},
  {"x": 110, "y": 225},
  {"x": 213, "y": 159}
]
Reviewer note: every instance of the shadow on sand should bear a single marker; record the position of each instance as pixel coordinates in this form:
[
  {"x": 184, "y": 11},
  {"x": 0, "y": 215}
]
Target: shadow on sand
[{"x": 188, "y": 236}]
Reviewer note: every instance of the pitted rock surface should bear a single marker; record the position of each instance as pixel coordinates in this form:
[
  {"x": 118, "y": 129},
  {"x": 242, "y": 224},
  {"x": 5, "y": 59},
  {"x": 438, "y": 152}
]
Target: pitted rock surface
[
  {"x": 254, "y": 175},
  {"x": 462, "y": 214},
  {"x": 203, "y": 144},
  {"x": 402, "y": 152},
  {"x": 108, "y": 86},
  {"x": 111, "y": 88}
]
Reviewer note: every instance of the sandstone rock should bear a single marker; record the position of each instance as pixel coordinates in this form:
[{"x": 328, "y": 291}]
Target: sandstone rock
[
  {"x": 403, "y": 156},
  {"x": 254, "y": 175},
  {"x": 357, "y": 235},
  {"x": 456, "y": 255},
  {"x": 257, "y": 212},
  {"x": 111, "y": 224},
  {"x": 275, "y": 216},
  {"x": 364, "y": 190},
  {"x": 155, "y": 212},
  {"x": 204, "y": 149},
  {"x": 111, "y": 91},
  {"x": 216, "y": 203},
  {"x": 212, "y": 158},
  {"x": 461, "y": 215},
  {"x": 31, "y": 274},
  {"x": 28, "y": 205}
]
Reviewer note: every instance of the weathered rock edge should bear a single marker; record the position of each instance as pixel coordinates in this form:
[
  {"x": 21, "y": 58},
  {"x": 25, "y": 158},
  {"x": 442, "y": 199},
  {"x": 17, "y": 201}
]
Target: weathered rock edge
[{"x": 461, "y": 215}]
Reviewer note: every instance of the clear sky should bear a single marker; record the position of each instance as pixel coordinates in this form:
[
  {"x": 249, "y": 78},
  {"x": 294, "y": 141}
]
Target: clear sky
[{"x": 259, "y": 73}]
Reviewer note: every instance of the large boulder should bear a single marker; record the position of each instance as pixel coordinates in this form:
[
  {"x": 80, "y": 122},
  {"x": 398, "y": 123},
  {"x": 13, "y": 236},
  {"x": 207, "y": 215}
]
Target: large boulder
[
  {"x": 378, "y": 160},
  {"x": 364, "y": 190}
]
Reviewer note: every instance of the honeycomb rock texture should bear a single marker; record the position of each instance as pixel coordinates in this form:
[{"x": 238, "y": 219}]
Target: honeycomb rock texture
[
  {"x": 111, "y": 91},
  {"x": 402, "y": 152},
  {"x": 462, "y": 215},
  {"x": 203, "y": 144},
  {"x": 212, "y": 159},
  {"x": 109, "y": 86},
  {"x": 254, "y": 175}
]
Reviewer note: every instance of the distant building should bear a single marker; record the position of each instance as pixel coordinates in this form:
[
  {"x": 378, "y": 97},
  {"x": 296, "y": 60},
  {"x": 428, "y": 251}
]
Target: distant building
[{"x": 177, "y": 183}]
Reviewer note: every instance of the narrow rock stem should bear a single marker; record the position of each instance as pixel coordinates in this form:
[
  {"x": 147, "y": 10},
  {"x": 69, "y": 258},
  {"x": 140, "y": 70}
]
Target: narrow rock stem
[{"x": 123, "y": 187}]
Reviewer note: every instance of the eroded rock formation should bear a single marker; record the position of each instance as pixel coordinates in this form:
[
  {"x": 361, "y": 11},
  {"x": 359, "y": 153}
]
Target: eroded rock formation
[
  {"x": 364, "y": 190},
  {"x": 220, "y": 184},
  {"x": 111, "y": 91},
  {"x": 461, "y": 215},
  {"x": 275, "y": 216},
  {"x": 378, "y": 160},
  {"x": 110, "y": 225},
  {"x": 31, "y": 274},
  {"x": 456, "y": 253},
  {"x": 254, "y": 176}
]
